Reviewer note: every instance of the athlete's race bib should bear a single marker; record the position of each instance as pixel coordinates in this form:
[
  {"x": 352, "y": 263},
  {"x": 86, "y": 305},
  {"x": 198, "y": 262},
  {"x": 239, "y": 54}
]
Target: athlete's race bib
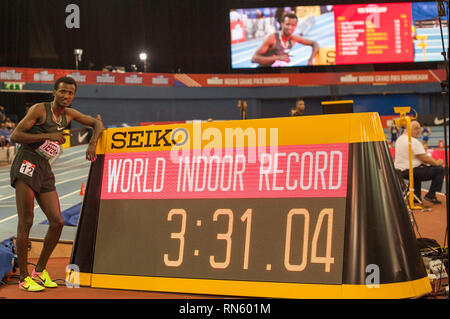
[
  {"x": 280, "y": 63},
  {"x": 49, "y": 149},
  {"x": 27, "y": 168}
]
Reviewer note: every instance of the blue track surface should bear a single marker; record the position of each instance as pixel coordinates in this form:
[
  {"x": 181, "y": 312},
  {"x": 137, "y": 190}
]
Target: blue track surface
[
  {"x": 70, "y": 169},
  {"x": 434, "y": 44}
]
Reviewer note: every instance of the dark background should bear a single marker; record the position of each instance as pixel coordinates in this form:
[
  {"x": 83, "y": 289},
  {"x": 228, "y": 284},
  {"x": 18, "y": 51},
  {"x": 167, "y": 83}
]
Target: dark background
[{"x": 189, "y": 36}]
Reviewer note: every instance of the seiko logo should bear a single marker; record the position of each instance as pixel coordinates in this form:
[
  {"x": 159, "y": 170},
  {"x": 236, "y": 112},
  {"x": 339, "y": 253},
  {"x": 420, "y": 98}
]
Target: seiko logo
[
  {"x": 348, "y": 78},
  {"x": 44, "y": 76},
  {"x": 106, "y": 78},
  {"x": 148, "y": 138},
  {"x": 214, "y": 81},
  {"x": 10, "y": 75},
  {"x": 77, "y": 76},
  {"x": 133, "y": 79},
  {"x": 160, "y": 79}
]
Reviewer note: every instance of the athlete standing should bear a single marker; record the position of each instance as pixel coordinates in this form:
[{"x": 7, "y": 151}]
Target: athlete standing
[{"x": 40, "y": 134}]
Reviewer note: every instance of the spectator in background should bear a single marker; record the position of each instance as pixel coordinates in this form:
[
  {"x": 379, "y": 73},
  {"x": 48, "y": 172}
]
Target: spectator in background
[
  {"x": 5, "y": 134},
  {"x": 394, "y": 133},
  {"x": 2, "y": 118},
  {"x": 425, "y": 168},
  {"x": 3, "y": 142},
  {"x": 10, "y": 125},
  {"x": 299, "y": 108}
]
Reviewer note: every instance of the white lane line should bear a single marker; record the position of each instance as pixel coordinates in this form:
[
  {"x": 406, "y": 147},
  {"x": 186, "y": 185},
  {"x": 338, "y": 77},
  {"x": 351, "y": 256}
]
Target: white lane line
[
  {"x": 65, "y": 154},
  {"x": 60, "y": 182},
  {"x": 8, "y": 218},
  {"x": 57, "y": 175},
  {"x": 57, "y": 163},
  {"x": 8, "y": 197},
  {"x": 71, "y": 179},
  {"x": 56, "y": 167},
  {"x": 15, "y": 215},
  {"x": 69, "y": 194}
]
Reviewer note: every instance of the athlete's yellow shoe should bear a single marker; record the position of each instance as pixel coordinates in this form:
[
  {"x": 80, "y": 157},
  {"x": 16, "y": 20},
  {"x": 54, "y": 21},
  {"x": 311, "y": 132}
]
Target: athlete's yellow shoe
[
  {"x": 44, "y": 278},
  {"x": 28, "y": 284}
]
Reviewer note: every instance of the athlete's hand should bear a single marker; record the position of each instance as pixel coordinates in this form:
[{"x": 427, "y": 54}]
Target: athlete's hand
[
  {"x": 91, "y": 154},
  {"x": 59, "y": 137},
  {"x": 284, "y": 57}
]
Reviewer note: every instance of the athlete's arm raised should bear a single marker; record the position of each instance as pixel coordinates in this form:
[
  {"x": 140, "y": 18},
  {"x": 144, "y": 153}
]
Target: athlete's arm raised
[
  {"x": 97, "y": 125},
  {"x": 312, "y": 43}
]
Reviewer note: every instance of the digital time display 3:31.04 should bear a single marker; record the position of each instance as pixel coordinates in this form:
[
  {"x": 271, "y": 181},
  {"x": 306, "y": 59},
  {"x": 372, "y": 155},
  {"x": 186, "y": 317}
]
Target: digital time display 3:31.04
[
  {"x": 280, "y": 240},
  {"x": 289, "y": 235}
]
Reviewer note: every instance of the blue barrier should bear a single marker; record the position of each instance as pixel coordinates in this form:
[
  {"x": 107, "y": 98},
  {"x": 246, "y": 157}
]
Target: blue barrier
[
  {"x": 6, "y": 257},
  {"x": 70, "y": 216}
]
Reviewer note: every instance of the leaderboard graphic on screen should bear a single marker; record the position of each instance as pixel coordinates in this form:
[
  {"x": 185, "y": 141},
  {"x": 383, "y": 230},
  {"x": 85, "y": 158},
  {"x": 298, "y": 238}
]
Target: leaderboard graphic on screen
[{"x": 346, "y": 34}]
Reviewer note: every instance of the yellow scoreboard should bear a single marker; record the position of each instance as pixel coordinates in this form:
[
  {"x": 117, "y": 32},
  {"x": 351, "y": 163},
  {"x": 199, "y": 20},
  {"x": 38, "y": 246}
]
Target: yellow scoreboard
[{"x": 301, "y": 207}]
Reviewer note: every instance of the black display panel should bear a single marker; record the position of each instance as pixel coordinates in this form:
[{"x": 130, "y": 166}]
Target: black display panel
[{"x": 342, "y": 34}]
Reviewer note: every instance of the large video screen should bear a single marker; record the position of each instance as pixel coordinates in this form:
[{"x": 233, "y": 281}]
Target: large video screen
[{"x": 346, "y": 34}]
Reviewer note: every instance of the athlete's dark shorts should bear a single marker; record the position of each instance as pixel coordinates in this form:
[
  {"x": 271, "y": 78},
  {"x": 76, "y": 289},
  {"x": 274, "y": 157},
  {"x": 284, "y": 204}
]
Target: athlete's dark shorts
[{"x": 34, "y": 170}]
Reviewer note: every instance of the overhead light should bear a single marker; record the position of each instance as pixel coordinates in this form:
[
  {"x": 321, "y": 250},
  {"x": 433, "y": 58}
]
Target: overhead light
[
  {"x": 143, "y": 56},
  {"x": 78, "y": 53}
]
